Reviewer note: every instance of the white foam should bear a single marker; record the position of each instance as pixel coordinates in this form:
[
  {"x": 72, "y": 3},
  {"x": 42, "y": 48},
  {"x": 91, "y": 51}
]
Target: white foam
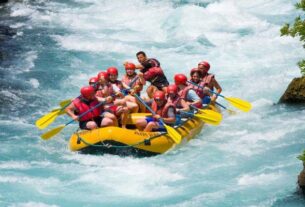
[
  {"x": 32, "y": 204},
  {"x": 14, "y": 165},
  {"x": 33, "y": 181},
  {"x": 34, "y": 82},
  {"x": 20, "y": 9},
  {"x": 129, "y": 177},
  {"x": 260, "y": 179}
]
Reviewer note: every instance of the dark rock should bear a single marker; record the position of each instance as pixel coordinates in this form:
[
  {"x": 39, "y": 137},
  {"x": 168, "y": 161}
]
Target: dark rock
[
  {"x": 301, "y": 179},
  {"x": 3, "y": 1},
  {"x": 295, "y": 93}
]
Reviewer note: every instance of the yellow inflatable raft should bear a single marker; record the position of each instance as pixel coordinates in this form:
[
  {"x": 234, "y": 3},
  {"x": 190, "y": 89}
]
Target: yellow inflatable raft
[{"x": 115, "y": 140}]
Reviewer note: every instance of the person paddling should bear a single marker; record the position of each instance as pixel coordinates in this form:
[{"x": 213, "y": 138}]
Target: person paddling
[
  {"x": 187, "y": 92},
  {"x": 84, "y": 103},
  {"x": 173, "y": 97},
  {"x": 201, "y": 89},
  {"x": 163, "y": 109},
  {"x": 106, "y": 93},
  {"x": 134, "y": 82},
  {"x": 209, "y": 79},
  {"x": 152, "y": 72}
]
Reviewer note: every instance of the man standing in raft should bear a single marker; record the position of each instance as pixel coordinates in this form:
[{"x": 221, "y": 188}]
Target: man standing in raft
[
  {"x": 208, "y": 79},
  {"x": 153, "y": 73},
  {"x": 84, "y": 103}
]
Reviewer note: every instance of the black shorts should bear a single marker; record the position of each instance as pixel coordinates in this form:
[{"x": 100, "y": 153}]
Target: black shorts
[
  {"x": 160, "y": 82},
  {"x": 97, "y": 120}
]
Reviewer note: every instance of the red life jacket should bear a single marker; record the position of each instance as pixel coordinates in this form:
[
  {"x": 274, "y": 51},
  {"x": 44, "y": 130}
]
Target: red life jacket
[
  {"x": 183, "y": 94},
  {"x": 176, "y": 101},
  {"x": 127, "y": 80},
  {"x": 198, "y": 90},
  {"x": 207, "y": 80},
  {"x": 82, "y": 107},
  {"x": 163, "y": 111},
  {"x": 153, "y": 72}
]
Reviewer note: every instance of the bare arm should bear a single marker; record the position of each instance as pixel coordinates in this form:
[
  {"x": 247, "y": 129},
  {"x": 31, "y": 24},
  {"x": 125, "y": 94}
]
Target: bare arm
[
  {"x": 70, "y": 111},
  {"x": 218, "y": 90},
  {"x": 171, "y": 116},
  {"x": 185, "y": 106}
]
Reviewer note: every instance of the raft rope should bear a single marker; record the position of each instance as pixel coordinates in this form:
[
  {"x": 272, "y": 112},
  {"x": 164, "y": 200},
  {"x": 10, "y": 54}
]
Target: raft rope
[{"x": 103, "y": 145}]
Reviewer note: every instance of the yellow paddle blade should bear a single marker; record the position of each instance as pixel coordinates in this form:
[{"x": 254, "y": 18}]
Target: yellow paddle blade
[
  {"x": 176, "y": 137},
  {"x": 52, "y": 132},
  {"x": 47, "y": 119},
  {"x": 64, "y": 103},
  {"x": 208, "y": 120},
  {"x": 240, "y": 104},
  {"x": 214, "y": 114},
  {"x": 61, "y": 111}
]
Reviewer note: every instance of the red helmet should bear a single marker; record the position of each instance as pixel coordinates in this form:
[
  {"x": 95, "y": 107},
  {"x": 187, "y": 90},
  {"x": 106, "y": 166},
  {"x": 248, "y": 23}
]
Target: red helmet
[
  {"x": 93, "y": 80},
  {"x": 180, "y": 79},
  {"x": 87, "y": 92},
  {"x": 159, "y": 95},
  {"x": 172, "y": 89},
  {"x": 205, "y": 64},
  {"x": 196, "y": 70},
  {"x": 130, "y": 66},
  {"x": 112, "y": 71},
  {"x": 102, "y": 74}
]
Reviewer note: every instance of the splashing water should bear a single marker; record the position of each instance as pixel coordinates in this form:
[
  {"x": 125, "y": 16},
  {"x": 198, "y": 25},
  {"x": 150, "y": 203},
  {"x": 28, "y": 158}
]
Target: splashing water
[{"x": 249, "y": 160}]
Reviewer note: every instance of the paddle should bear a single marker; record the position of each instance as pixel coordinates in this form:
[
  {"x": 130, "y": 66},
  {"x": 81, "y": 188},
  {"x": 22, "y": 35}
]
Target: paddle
[
  {"x": 56, "y": 130},
  {"x": 64, "y": 103},
  {"x": 237, "y": 102},
  {"x": 204, "y": 118},
  {"x": 175, "y": 136},
  {"x": 229, "y": 110},
  {"x": 49, "y": 118},
  {"x": 209, "y": 112}
]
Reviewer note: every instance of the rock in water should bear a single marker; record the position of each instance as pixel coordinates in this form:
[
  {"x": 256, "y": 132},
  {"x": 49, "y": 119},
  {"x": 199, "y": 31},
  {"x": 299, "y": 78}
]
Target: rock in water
[
  {"x": 301, "y": 179},
  {"x": 295, "y": 93}
]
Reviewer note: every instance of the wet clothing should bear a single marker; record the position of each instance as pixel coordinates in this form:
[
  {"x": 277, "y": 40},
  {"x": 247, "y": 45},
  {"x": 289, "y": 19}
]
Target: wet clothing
[
  {"x": 154, "y": 74},
  {"x": 97, "y": 120},
  {"x": 208, "y": 80},
  {"x": 82, "y": 105}
]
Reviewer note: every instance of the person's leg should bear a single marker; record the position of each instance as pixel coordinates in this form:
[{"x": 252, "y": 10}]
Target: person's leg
[
  {"x": 132, "y": 104},
  {"x": 123, "y": 113},
  {"x": 91, "y": 125},
  {"x": 112, "y": 117},
  {"x": 107, "y": 122},
  {"x": 151, "y": 90},
  {"x": 150, "y": 126},
  {"x": 141, "y": 124}
]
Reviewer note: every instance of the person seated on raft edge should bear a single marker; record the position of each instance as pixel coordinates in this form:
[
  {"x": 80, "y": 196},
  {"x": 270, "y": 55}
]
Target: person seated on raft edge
[
  {"x": 152, "y": 72},
  {"x": 127, "y": 101},
  {"x": 135, "y": 82},
  {"x": 163, "y": 110},
  {"x": 179, "y": 103},
  {"x": 209, "y": 79},
  {"x": 94, "y": 82},
  {"x": 186, "y": 92},
  {"x": 203, "y": 92},
  {"x": 85, "y": 102},
  {"x": 106, "y": 93}
]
